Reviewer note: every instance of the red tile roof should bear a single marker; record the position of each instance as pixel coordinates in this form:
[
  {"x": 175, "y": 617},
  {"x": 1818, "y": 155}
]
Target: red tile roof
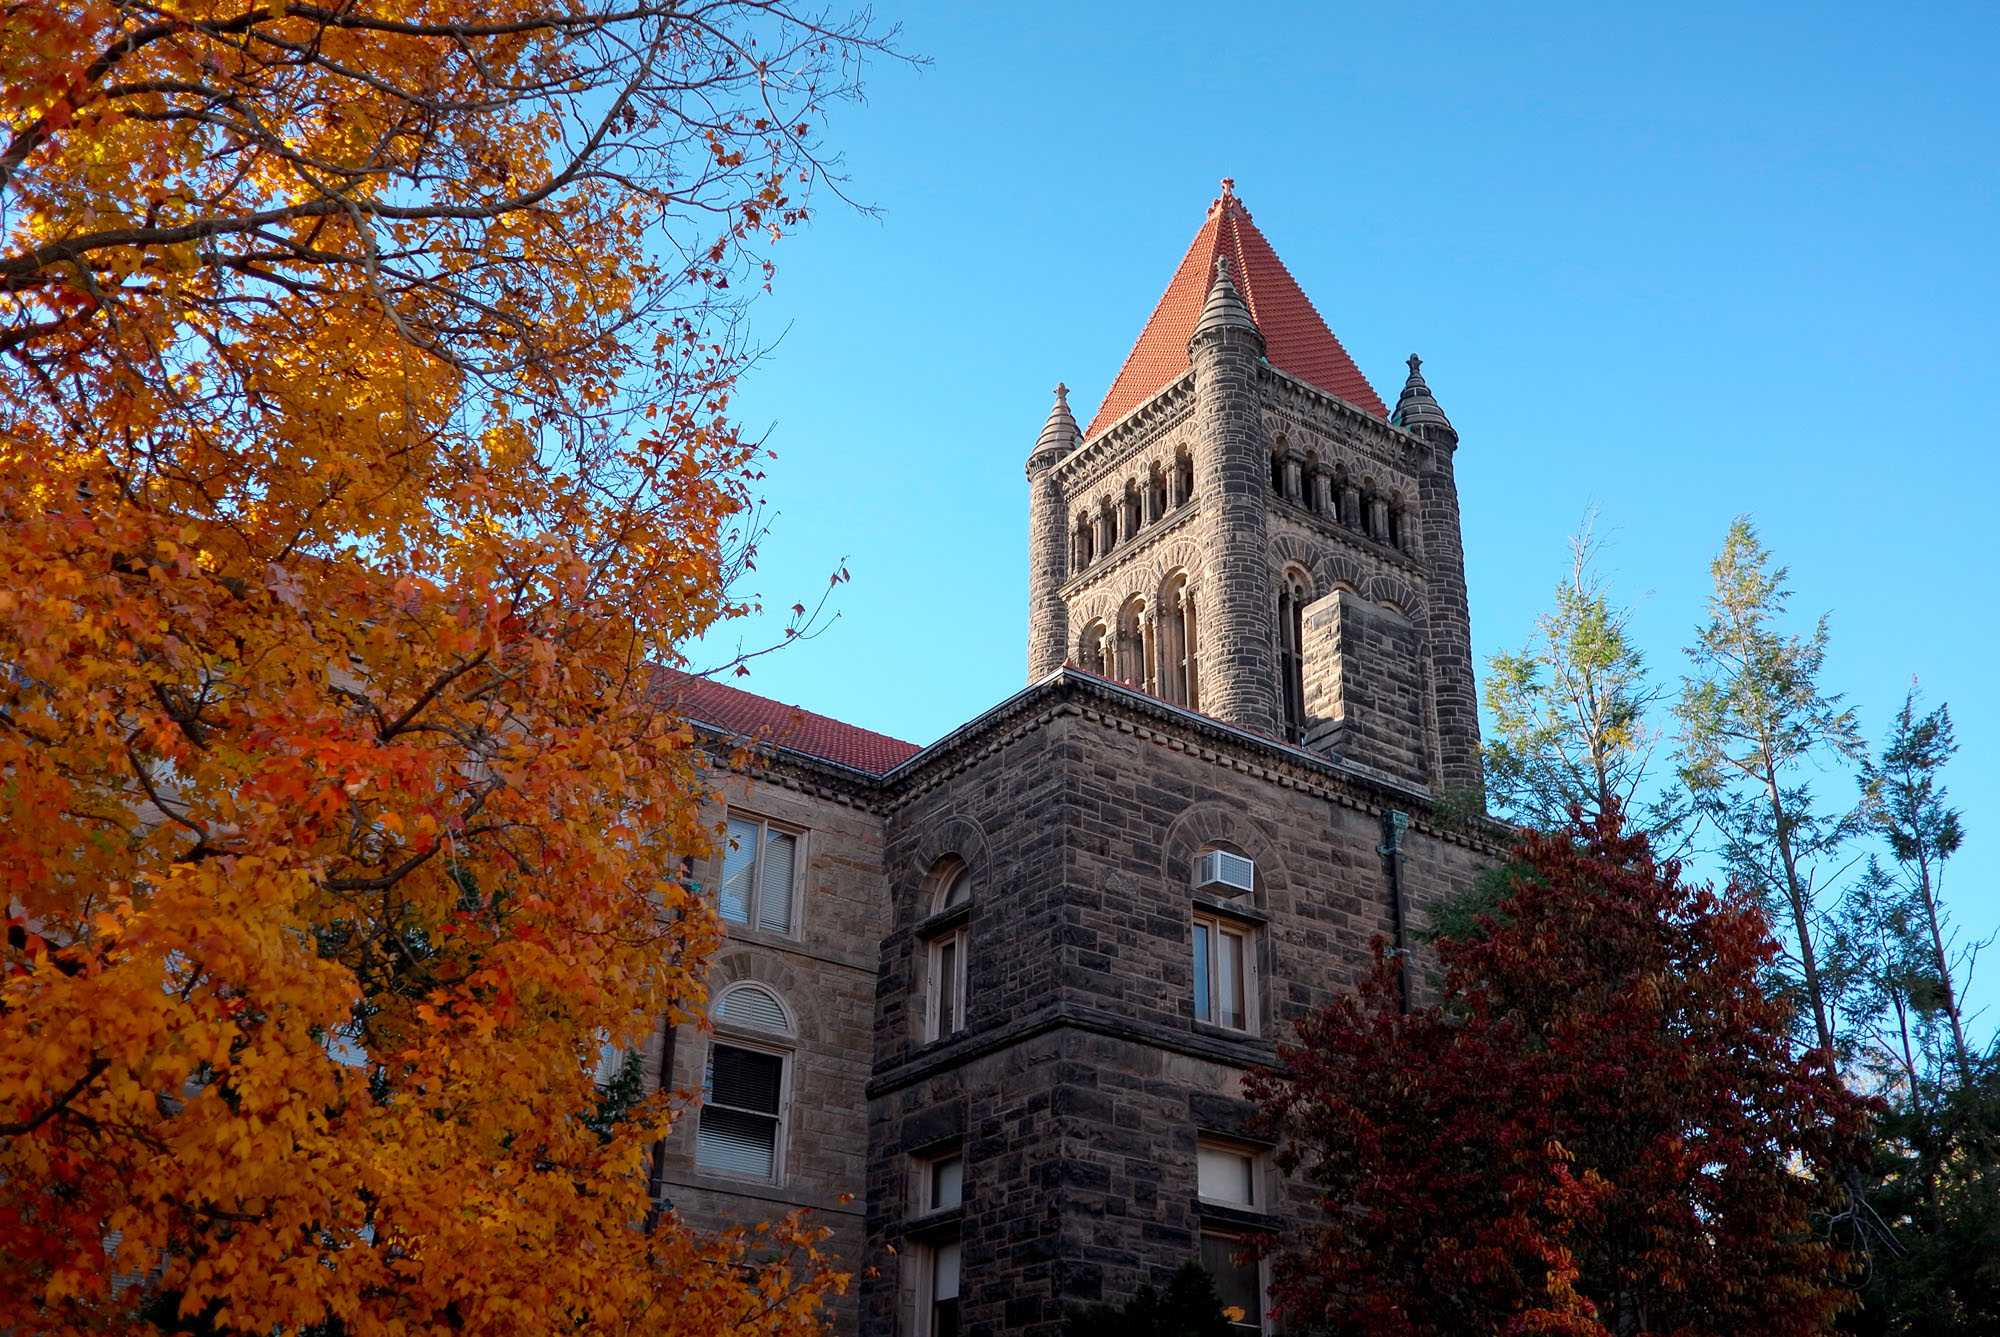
[
  {"x": 766, "y": 721},
  {"x": 1296, "y": 340}
]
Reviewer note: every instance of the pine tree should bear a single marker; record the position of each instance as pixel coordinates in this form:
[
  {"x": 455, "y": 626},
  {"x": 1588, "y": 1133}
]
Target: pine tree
[
  {"x": 1570, "y": 714},
  {"x": 1756, "y": 725},
  {"x": 1936, "y": 1177}
]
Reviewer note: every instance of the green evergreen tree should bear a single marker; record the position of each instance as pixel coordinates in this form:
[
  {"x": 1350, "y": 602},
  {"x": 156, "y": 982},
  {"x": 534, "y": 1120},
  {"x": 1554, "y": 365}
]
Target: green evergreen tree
[
  {"x": 1936, "y": 1178},
  {"x": 1756, "y": 725},
  {"x": 1570, "y": 713}
]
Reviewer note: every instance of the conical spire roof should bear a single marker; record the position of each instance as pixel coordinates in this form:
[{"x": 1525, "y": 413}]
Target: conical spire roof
[
  {"x": 1059, "y": 432},
  {"x": 1415, "y": 407},
  {"x": 1224, "y": 309},
  {"x": 1296, "y": 340}
]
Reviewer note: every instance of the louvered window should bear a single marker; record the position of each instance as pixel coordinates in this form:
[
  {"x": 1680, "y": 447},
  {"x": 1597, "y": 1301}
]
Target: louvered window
[
  {"x": 753, "y": 1006},
  {"x": 742, "y": 1113},
  {"x": 759, "y": 875}
]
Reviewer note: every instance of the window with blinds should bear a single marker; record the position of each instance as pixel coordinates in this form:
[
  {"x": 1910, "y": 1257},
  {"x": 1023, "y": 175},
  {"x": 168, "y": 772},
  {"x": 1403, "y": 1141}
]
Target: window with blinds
[
  {"x": 753, "y": 1006},
  {"x": 743, "y": 1093},
  {"x": 759, "y": 875},
  {"x": 1226, "y": 1174}
]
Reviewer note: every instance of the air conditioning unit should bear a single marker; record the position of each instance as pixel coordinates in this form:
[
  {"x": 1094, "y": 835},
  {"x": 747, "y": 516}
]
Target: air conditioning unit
[{"x": 1221, "y": 871}]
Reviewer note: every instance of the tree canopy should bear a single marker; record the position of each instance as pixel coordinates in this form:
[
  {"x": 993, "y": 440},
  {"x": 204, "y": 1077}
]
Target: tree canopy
[
  {"x": 1602, "y": 1130},
  {"x": 364, "y": 447}
]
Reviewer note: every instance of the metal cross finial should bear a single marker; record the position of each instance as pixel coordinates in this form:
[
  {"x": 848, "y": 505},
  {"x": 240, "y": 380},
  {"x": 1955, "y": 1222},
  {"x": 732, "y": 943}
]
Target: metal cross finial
[{"x": 1228, "y": 186}]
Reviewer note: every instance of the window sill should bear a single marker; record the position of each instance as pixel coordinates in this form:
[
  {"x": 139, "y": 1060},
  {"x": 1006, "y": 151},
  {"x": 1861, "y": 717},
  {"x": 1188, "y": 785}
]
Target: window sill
[
  {"x": 724, "y": 1177},
  {"x": 1232, "y": 1216},
  {"x": 1209, "y": 1028},
  {"x": 1239, "y": 909},
  {"x": 944, "y": 921},
  {"x": 938, "y": 1222}
]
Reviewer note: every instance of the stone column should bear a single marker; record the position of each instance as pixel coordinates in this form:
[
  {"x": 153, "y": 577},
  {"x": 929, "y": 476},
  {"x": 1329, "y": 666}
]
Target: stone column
[
  {"x": 1049, "y": 537},
  {"x": 1239, "y": 672}
]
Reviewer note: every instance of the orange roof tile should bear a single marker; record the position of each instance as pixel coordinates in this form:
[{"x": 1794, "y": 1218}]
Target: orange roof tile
[
  {"x": 1296, "y": 340},
  {"x": 763, "y": 720}
]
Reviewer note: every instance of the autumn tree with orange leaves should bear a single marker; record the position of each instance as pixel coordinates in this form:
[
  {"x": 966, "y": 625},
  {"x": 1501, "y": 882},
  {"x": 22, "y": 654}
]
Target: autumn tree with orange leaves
[{"x": 364, "y": 446}]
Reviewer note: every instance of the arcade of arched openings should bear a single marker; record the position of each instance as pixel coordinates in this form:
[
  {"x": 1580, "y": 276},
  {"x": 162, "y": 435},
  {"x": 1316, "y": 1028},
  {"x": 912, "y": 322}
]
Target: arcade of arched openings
[
  {"x": 1116, "y": 520},
  {"x": 1151, "y": 646},
  {"x": 1333, "y": 494}
]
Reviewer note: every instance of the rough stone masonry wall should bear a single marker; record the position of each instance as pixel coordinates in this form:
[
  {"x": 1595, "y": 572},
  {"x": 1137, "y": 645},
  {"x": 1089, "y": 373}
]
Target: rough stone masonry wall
[
  {"x": 1450, "y": 623},
  {"x": 1084, "y": 1082},
  {"x": 986, "y": 1085},
  {"x": 1364, "y": 671},
  {"x": 826, "y": 975},
  {"x": 1238, "y": 646}
]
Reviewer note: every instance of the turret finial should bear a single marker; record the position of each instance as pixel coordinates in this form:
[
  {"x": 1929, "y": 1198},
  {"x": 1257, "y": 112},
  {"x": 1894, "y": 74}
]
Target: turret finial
[
  {"x": 1225, "y": 308},
  {"x": 1059, "y": 435},
  {"x": 1416, "y": 410}
]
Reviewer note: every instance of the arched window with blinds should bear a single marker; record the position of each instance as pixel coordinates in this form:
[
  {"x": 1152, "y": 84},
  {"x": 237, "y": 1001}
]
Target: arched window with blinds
[{"x": 746, "y": 1085}]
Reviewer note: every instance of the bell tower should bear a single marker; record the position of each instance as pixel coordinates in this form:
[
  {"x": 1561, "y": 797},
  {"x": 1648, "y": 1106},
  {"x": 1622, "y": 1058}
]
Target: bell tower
[{"x": 1245, "y": 530}]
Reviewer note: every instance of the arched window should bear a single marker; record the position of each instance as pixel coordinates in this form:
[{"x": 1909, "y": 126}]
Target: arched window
[
  {"x": 1130, "y": 665},
  {"x": 1175, "y": 633},
  {"x": 1134, "y": 516},
  {"x": 1107, "y": 527},
  {"x": 1085, "y": 549},
  {"x": 1156, "y": 493},
  {"x": 1278, "y": 472},
  {"x": 1397, "y": 524},
  {"x": 752, "y": 1007},
  {"x": 746, "y": 1085},
  {"x": 946, "y": 947},
  {"x": 1293, "y": 596},
  {"x": 1090, "y": 651},
  {"x": 1183, "y": 478},
  {"x": 1365, "y": 522}
]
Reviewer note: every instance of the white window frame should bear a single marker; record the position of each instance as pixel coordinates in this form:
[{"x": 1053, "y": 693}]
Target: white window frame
[
  {"x": 926, "y": 1181},
  {"x": 1255, "y": 1162},
  {"x": 936, "y": 1025},
  {"x": 1240, "y": 1237},
  {"x": 780, "y": 1140},
  {"x": 765, "y": 826},
  {"x": 1218, "y": 924},
  {"x": 927, "y": 1257}
]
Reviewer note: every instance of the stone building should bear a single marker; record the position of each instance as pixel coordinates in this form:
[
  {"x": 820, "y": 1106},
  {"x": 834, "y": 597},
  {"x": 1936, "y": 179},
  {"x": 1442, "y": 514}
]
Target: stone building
[{"x": 986, "y": 1005}]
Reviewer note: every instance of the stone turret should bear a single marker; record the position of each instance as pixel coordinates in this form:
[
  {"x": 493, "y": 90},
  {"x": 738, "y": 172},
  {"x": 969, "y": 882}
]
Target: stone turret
[
  {"x": 1449, "y": 629},
  {"x": 1048, "y": 615},
  {"x": 1232, "y": 461}
]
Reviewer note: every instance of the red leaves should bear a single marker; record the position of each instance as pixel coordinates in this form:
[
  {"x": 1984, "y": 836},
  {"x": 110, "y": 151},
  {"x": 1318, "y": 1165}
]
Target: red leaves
[{"x": 1604, "y": 1131}]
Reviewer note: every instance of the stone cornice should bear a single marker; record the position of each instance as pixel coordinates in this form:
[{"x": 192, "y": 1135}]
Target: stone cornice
[
  {"x": 1339, "y": 411},
  {"x": 1070, "y": 692},
  {"x": 789, "y": 769},
  {"x": 1132, "y": 433}
]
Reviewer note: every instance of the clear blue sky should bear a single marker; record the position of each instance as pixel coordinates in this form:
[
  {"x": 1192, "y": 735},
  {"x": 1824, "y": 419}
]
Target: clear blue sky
[{"x": 1680, "y": 264}]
